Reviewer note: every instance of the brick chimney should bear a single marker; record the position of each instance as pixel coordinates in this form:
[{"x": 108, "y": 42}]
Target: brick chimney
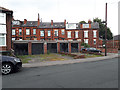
[
  {"x": 64, "y": 22},
  {"x": 25, "y": 21},
  {"x": 89, "y": 21},
  {"x": 38, "y": 20},
  {"x": 51, "y": 22}
]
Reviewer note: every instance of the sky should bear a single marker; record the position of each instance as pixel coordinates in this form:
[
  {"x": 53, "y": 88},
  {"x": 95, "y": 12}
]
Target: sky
[{"x": 73, "y": 11}]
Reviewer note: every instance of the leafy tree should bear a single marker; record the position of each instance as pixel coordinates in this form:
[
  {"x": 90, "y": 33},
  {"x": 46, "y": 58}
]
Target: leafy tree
[
  {"x": 102, "y": 29},
  {"x": 85, "y": 45},
  {"x": 81, "y": 22}
]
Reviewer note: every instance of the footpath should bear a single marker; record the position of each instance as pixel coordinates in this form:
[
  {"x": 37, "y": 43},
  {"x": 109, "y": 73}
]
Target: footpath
[{"x": 49, "y": 63}]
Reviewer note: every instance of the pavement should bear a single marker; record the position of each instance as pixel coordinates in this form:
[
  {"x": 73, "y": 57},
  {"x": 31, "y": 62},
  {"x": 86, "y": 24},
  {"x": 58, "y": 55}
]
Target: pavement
[{"x": 49, "y": 63}]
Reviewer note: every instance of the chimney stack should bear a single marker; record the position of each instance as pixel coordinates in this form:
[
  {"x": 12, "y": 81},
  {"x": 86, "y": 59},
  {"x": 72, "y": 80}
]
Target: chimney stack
[
  {"x": 38, "y": 20},
  {"x": 25, "y": 21},
  {"x": 64, "y": 22},
  {"x": 51, "y": 22},
  {"x": 89, "y": 21}
]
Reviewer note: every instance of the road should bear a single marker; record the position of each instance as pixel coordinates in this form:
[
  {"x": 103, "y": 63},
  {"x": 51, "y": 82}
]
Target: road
[{"x": 99, "y": 74}]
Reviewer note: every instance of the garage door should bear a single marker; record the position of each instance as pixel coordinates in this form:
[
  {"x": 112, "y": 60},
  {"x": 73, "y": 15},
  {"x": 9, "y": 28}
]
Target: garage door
[
  {"x": 21, "y": 48},
  {"x": 37, "y": 48},
  {"x": 63, "y": 47},
  {"x": 52, "y": 47},
  {"x": 74, "y": 47}
]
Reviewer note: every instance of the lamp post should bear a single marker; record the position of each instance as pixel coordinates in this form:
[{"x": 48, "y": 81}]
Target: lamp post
[{"x": 106, "y": 31}]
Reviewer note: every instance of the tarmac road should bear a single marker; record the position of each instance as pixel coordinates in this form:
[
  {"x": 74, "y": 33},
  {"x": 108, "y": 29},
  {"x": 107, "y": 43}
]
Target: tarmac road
[{"x": 97, "y": 74}]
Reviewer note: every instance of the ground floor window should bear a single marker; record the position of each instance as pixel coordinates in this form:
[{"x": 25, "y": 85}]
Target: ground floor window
[
  {"x": 2, "y": 39},
  {"x": 94, "y": 40},
  {"x": 86, "y": 41}
]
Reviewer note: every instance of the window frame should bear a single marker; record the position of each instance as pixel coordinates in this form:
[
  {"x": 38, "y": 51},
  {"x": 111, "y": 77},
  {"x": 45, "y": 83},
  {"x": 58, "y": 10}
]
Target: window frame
[
  {"x": 56, "y": 34},
  {"x": 14, "y": 32},
  {"x": 49, "y": 33},
  {"x": 27, "y": 30},
  {"x": 85, "y": 34},
  {"x": 68, "y": 32},
  {"x": 4, "y": 35},
  {"x": 42, "y": 33},
  {"x": 34, "y": 31},
  {"x": 19, "y": 31}
]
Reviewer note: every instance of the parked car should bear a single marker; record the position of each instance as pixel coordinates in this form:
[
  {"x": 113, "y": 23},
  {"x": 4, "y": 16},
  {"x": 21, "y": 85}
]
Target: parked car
[
  {"x": 10, "y": 64},
  {"x": 91, "y": 50}
]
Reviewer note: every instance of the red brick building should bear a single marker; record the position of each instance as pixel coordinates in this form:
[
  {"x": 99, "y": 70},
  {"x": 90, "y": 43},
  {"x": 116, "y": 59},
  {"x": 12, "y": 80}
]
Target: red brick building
[
  {"x": 59, "y": 35},
  {"x": 5, "y": 29}
]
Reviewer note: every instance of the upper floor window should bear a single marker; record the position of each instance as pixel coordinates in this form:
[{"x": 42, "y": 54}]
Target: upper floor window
[
  {"x": 49, "y": 33},
  {"x": 27, "y": 31},
  {"x": 13, "y": 31},
  {"x": 34, "y": 31},
  {"x": 94, "y": 34},
  {"x": 62, "y": 31},
  {"x": 2, "y": 39},
  {"x": 56, "y": 32},
  {"x": 20, "y": 31},
  {"x": 42, "y": 33},
  {"x": 85, "y": 26},
  {"x": 85, "y": 34},
  {"x": 69, "y": 34},
  {"x": 76, "y": 34}
]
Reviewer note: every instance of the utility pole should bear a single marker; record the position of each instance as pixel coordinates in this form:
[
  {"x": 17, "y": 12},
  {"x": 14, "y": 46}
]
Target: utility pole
[{"x": 106, "y": 31}]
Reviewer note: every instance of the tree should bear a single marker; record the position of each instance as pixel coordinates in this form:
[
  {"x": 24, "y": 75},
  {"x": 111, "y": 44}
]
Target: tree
[
  {"x": 81, "y": 22},
  {"x": 102, "y": 29}
]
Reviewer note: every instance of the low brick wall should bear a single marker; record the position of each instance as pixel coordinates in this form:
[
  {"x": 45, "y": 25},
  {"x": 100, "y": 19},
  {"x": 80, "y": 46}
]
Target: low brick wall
[{"x": 109, "y": 50}]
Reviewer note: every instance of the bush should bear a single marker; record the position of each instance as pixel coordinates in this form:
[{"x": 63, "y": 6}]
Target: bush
[{"x": 85, "y": 45}]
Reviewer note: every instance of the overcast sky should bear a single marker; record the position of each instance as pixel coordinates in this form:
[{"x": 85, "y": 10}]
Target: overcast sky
[{"x": 58, "y": 10}]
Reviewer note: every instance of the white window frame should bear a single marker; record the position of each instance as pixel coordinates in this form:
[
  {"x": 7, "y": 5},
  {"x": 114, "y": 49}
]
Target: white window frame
[
  {"x": 62, "y": 31},
  {"x": 13, "y": 32},
  {"x": 27, "y": 31},
  {"x": 2, "y": 18},
  {"x": 56, "y": 33},
  {"x": 85, "y": 34},
  {"x": 1, "y": 36},
  {"x": 69, "y": 34},
  {"x": 42, "y": 33},
  {"x": 13, "y": 38},
  {"x": 94, "y": 41},
  {"x": 20, "y": 30},
  {"x": 34, "y": 31},
  {"x": 95, "y": 34},
  {"x": 86, "y": 41},
  {"x": 49, "y": 33},
  {"x": 76, "y": 34},
  {"x": 85, "y": 25}
]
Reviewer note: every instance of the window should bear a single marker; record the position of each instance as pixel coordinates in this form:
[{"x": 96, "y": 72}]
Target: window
[
  {"x": 86, "y": 41},
  {"x": 13, "y": 31},
  {"x": 20, "y": 38},
  {"x": 13, "y": 38},
  {"x": 34, "y": 31},
  {"x": 27, "y": 31},
  {"x": 49, "y": 33},
  {"x": 41, "y": 33},
  {"x": 69, "y": 34},
  {"x": 94, "y": 34},
  {"x": 2, "y": 39},
  {"x": 3, "y": 18},
  {"x": 56, "y": 32},
  {"x": 85, "y": 34},
  {"x": 56, "y": 39},
  {"x": 63, "y": 32},
  {"x": 94, "y": 40},
  {"x": 85, "y": 25},
  {"x": 20, "y": 32},
  {"x": 76, "y": 34}
]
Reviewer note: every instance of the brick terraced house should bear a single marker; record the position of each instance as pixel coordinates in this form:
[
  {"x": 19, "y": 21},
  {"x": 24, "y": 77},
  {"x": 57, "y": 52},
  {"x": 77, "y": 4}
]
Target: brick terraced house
[
  {"x": 36, "y": 37},
  {"x": 5, "y": 29}
]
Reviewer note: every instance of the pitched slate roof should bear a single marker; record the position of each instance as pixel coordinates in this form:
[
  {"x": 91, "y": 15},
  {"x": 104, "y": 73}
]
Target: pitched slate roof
[
  {"x": 117, "y": 37},
  {"x": 30, "y": 24},
  {"x": 5, "y": 10},
  {"x": 94, "y": 25},
  {"x": 48, "y": 25}
]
